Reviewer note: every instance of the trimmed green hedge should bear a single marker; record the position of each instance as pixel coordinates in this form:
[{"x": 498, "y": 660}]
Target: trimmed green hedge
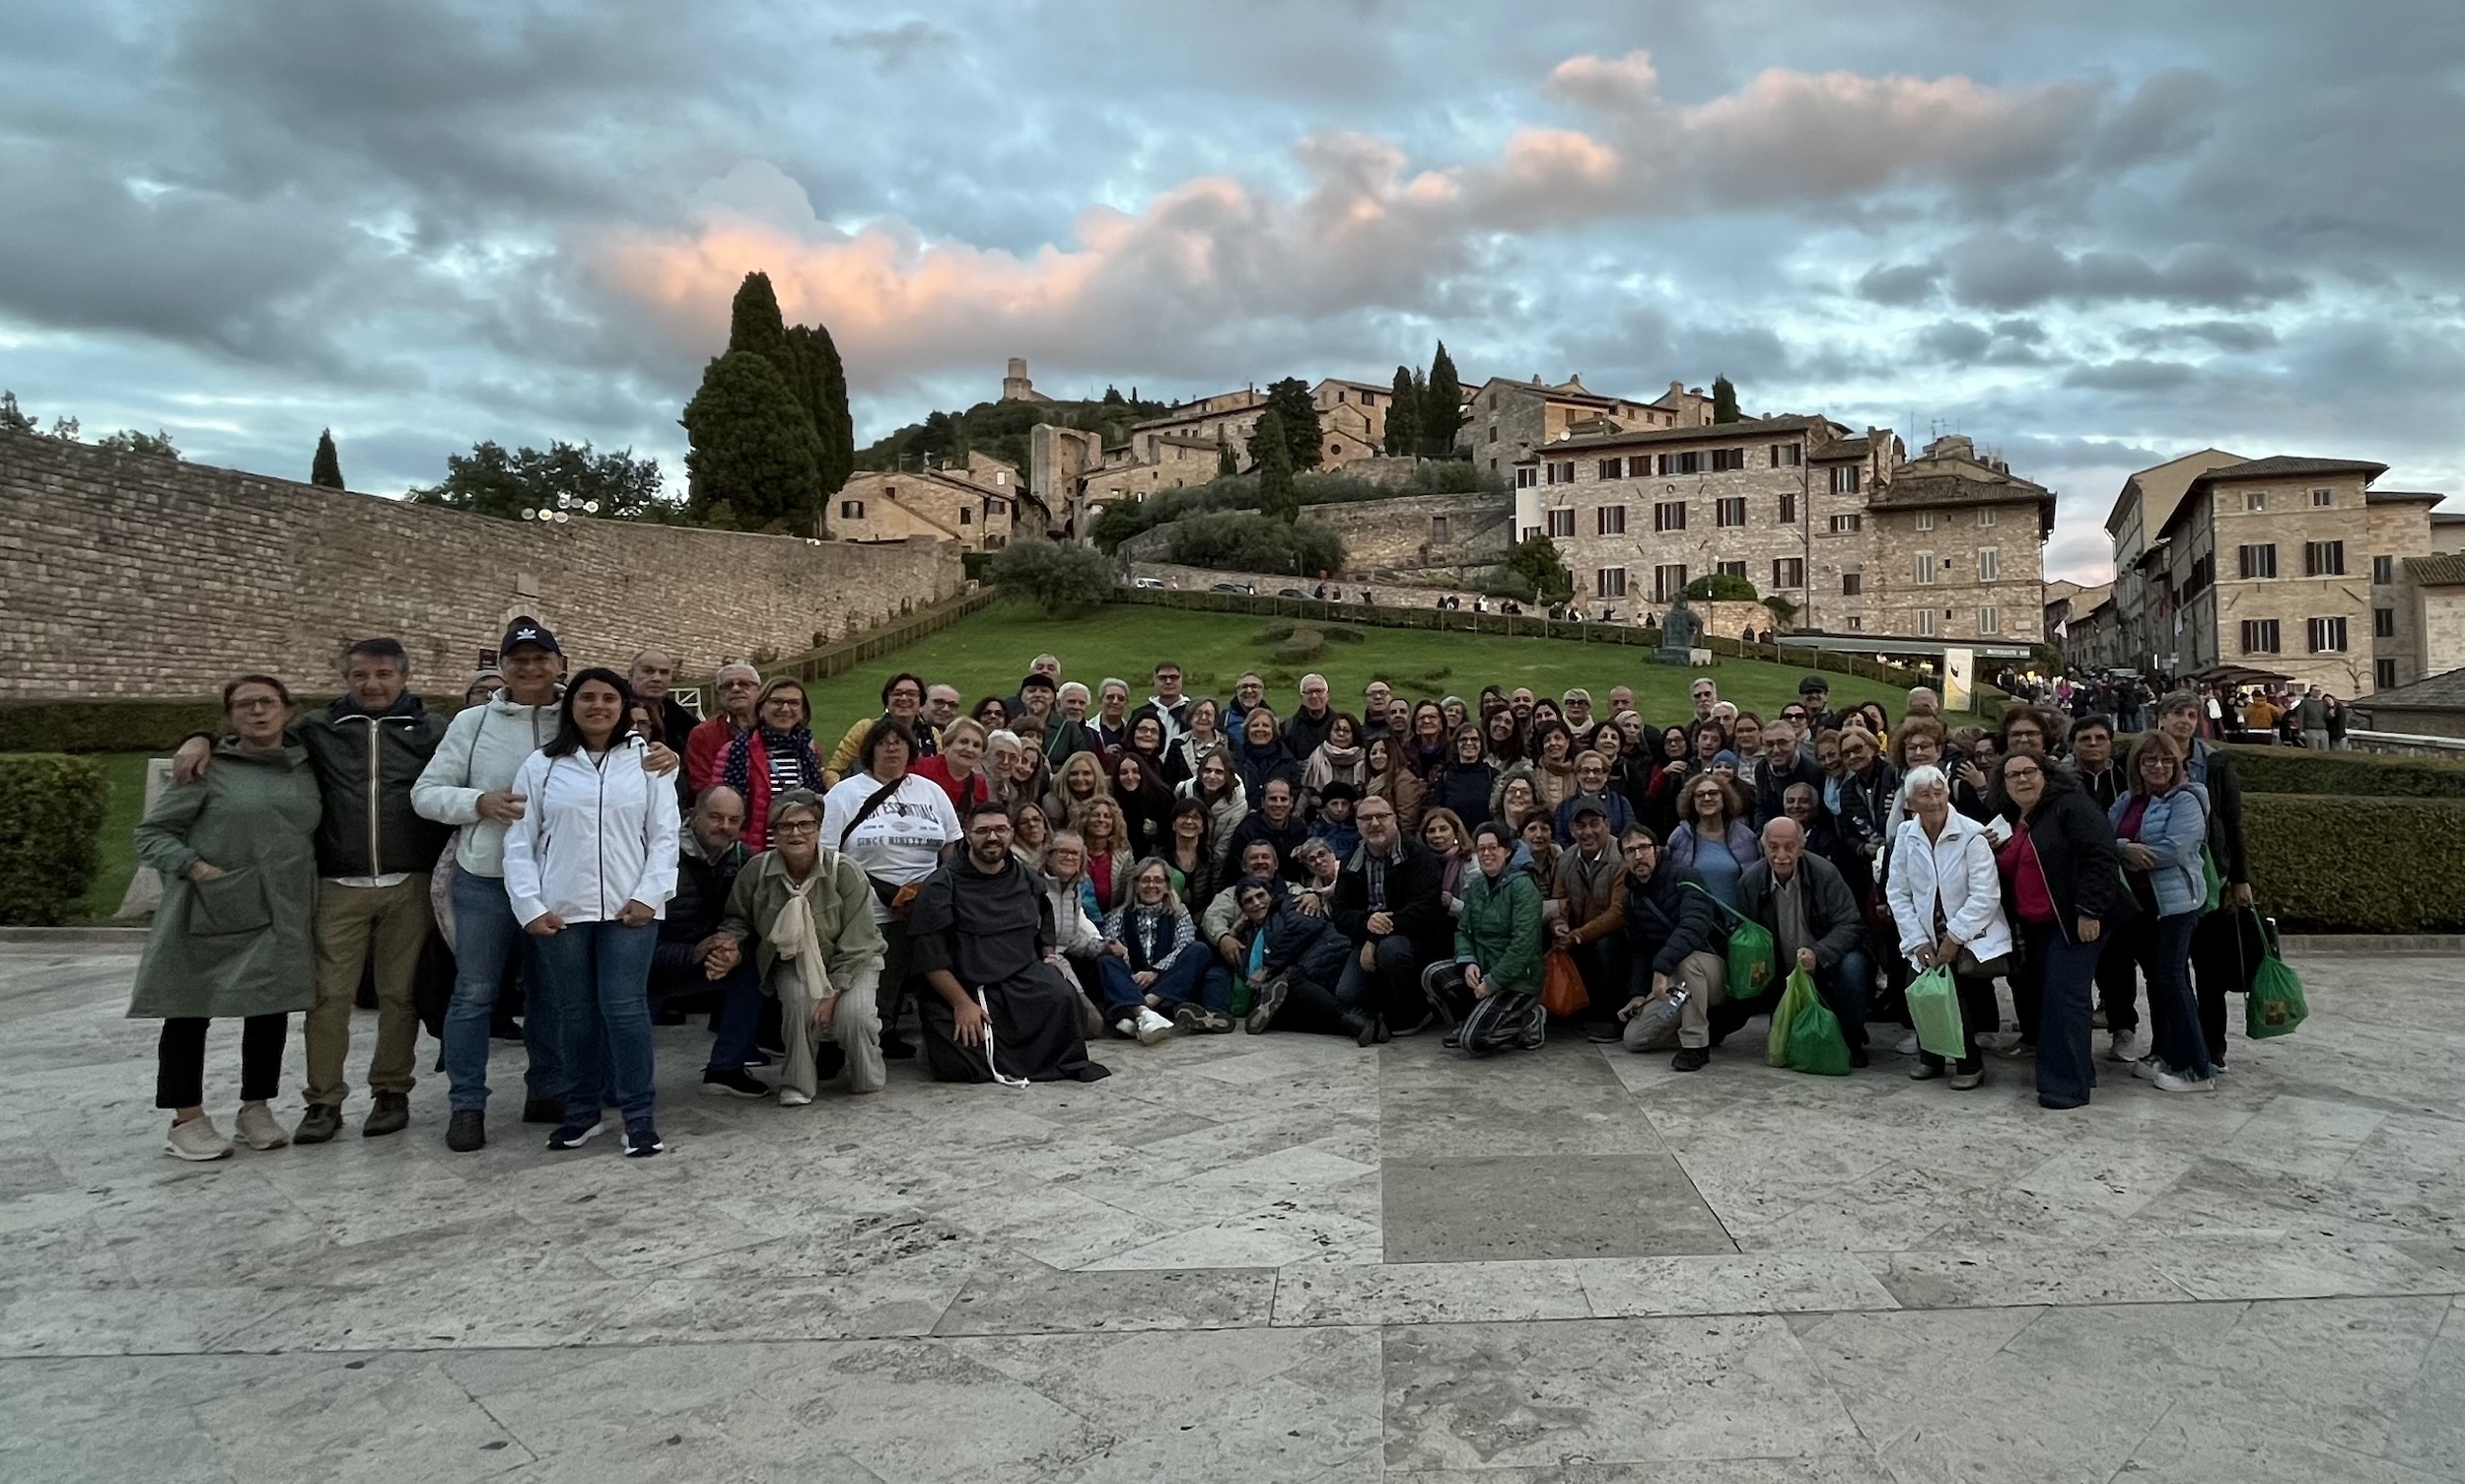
[
  {"x": 51, "y": 810},
  {"x": 2357, "y": 864},
  {"x": 2296, "y": 770},
  {"x": 128, "y": 726}
]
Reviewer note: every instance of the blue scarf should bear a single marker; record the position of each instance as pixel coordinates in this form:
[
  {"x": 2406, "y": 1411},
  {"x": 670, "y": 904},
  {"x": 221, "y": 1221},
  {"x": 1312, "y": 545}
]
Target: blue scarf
[{"x": 738, "y": 772}]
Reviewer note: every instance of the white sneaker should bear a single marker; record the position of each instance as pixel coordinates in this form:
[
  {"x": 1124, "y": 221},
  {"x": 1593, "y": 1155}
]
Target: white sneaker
[
  {"x": 1906, "y": 1045},
  {"x": 1152, "y": 1027},
  {"x": 1997, "y": 1040},
  {"x": 2173, "y": 1082},
  {"x": 2127, "y": 1045},
  {"x": 258, "y": 1128},
  {"x": 789, "y": 1097},
  {"x": 197, "y": 1140},
  {"x": 2147, "y": 1068},
  {"x": 1127, "y": 1028}
]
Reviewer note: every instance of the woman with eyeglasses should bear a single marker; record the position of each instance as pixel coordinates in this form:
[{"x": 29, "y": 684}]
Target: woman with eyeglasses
[
  {"x": 2060, "y": 879},
  {"x": 231, "y": 940},
  {"x": 1716, "y": 841},
  {"x": 773, "y": 756},
  {"x": 2162, "y": 823},
  {"x": 1946, "y": 900},
  {"x": 894, "y": 823}
]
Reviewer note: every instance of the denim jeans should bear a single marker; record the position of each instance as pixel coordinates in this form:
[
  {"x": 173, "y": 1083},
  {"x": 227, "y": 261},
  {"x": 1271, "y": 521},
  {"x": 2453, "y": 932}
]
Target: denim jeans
[
  {"x": 598, "y": 973},
  {"x": 1123, "y": 997},
  {"x": 740, "y": 992},
  {"x": 485, "y": 934},
  {"x": 2062, "y": 973},
  {"x": 2166, "y": 962},
  {"x": 1845, "y": 988},
  {"x": 1392, "y": 989}
]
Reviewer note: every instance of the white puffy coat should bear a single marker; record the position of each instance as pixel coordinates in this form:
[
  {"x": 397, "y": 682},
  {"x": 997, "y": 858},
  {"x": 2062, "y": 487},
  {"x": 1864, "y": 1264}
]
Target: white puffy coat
[
  {"x": 594, "y": 836},
  {"x": 1958, "y": 868}
]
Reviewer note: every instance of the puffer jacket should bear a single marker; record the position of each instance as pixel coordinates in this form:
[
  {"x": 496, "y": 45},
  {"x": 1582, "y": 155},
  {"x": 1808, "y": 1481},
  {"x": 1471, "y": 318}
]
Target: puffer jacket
[
  {"x": 1956, "y": 869},
  {"x": 366, "y": 767},
  {"x": 483, "y": 748},
  {"x": 2174, "y": 828},
  {"x": 1307, "y": 946},
  {"x": 1499, "y": 929},
  {"x": 592, "y": 837}
]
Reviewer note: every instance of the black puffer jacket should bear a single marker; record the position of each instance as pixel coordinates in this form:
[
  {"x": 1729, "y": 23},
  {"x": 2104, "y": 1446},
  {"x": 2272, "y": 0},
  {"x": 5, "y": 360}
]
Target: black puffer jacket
[{"x": 365, "y": 768}]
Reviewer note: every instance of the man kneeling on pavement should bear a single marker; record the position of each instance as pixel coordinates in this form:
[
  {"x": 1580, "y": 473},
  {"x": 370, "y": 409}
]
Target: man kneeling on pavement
[
  {"x": 1805, "y": 902},
  {"x": 1673, "y": 935},
  {"x": 697, "y": 960}
]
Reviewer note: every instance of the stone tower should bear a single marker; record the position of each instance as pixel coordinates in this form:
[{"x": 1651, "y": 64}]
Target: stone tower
[{"x": 1015, "y": 387}]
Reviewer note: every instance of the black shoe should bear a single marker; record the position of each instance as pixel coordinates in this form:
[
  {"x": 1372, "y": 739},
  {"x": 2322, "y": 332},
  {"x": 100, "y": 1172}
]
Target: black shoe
[
  {"x": 1603, "y": 1033},
  {"x": 668, "y": 1015},
  {"x": 735, "y": 1083},
  {"x": 467, "y": 1130},
  {"x": 390, "y": 1115},
  {"x": 1365, "y": 1028},
  {"x": 1691, "y": 1058},
  {"x": 642, "y": 1142},
  {"x": 543, "y": 1110},
  {"x": 1856, "y": 1056},
  {"x": 898, "y": 1047},
  {"x": 320, "y": 1122},
  {"x": 575, "y": 1135},
  {"x": 1383, "y": 1035},
  {"x": 829, "y": 1060}
]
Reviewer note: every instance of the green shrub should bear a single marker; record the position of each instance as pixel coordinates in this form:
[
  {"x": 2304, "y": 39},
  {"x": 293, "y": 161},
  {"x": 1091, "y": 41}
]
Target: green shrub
[
  {"x": 2356, "y": 865},
  {"x": 1274, "y": 633},
  {"x": 2296, "y": 770},
  {"x": 1720, "y": 587},
  {"x": 1063, "y": 579},
  {"x": 50, "y": 810},
  {"x": 1304, "y": 644},
  {"x": 1336, "y": 634},
  {"x": 1226, "y": 542},
  {"x": 130, "y": 726}
]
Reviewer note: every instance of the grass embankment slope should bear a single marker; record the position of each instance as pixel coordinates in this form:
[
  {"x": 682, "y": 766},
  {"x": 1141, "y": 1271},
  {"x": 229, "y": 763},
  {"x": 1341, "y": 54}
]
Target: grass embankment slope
[{"x": 986, "y": 654}]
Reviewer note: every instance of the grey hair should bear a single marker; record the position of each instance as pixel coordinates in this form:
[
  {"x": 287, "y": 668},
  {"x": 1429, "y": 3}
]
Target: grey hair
[
  {"x": 1109, "y": 683},
  {"x": 1069, "y": 687},
  {"x": 721, "y": 675},
  {"x": 1923, "y": 775}
]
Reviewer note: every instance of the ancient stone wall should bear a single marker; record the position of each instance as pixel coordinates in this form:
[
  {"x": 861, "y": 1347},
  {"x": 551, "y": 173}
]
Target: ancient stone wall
[{"x": 127, "y": 576}]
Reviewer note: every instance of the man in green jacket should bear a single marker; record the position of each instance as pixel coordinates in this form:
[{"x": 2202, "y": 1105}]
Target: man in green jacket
[{"x": 1497, "y": 953}]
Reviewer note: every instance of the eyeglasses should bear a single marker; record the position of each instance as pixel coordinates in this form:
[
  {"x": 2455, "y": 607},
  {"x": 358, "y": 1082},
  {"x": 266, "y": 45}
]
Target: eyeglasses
[
  {"x": 257, "y": 703},
  {"x": 1641, "y": 847},
  {"x": 798, "y": 828}
]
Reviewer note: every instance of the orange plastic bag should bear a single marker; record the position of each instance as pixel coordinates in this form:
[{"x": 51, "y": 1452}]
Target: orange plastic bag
[{"x": 1562, "y": 985}]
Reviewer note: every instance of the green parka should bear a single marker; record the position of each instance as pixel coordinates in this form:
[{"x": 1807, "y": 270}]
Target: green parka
[
  {"x": 1499, "y": 929},
  {"x": 238, "y": 945}
]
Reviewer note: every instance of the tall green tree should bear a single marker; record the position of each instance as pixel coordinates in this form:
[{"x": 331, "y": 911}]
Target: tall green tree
[
  {"x": 1228, "y": 464},
  {"x": 752, "y": 449},
  {"x": 1442, "y": 404},
  {"x": 821, "y": 387},
  {"x": 754, "y": 324},
  {"x": 327, "y": 468},
  {"x": 1403, "y": 416},
  {"x": 1535, "y": 560},
  {"x": 1725, "y": 402},
  {"x": 490, "y": 481},
  {"x": 1297, "y": 419},
  {"x": 1276, "y": 499}
]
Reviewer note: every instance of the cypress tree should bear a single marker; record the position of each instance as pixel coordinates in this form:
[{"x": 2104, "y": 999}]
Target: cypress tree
[
  {"x": 753, "y": 321},
  {"x": 1226, "y": 465},
  {"x": 1403, "y": 416},
  {"x": 821, "y": 387},
  {"x": 327, "y": 468},
  {"x": 1725, "y": 402},
  {"x": 1274, "y": 454},
  {"x": 752, "y": 449},
  {"x": 1297, "y": 413},
  {"x": 1441, "y": 406}
]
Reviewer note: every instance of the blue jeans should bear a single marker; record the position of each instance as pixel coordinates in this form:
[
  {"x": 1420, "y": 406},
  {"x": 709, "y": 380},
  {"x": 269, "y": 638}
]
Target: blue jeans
[
  {"x": 2062, "y": 972},
  {"x": 1845, "y": 988},
  {"x": 485, "y": 935},
  {"x": 600, "y": 975},
  {"x": 1122, "y": 996},
  {"x": 2166, "y": 962},
  {"x": 740, "y": 992}
]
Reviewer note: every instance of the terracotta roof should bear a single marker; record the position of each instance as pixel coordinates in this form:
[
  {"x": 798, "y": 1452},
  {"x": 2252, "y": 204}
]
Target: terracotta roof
[
  {"x": 1753, "y": 428},
  {"x": 2288, "y": 466},
  {"x": 1917, "y": 491},
  {"x": 2402, "y": 497},
  {"x": 2438, "y": 571}
]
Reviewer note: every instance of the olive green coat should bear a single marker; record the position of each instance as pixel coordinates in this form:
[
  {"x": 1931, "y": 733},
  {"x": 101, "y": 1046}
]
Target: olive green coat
[{"x": 240, "y": 945}]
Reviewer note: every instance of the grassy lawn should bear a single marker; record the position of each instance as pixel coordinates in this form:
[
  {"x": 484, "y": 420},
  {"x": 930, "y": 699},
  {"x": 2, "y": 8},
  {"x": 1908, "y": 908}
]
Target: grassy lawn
[
  {"x": 987, "y": 654},
  {"x": 125, "y": 772}
]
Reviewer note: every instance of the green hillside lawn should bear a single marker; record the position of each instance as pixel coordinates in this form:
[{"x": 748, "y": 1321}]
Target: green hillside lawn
[
  {"x": 124, "y": 773},
  {"x": 986, "y": 654}
]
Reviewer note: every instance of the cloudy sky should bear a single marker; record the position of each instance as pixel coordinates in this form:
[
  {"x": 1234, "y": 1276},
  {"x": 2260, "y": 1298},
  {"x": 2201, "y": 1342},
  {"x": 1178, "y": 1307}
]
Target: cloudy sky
[{"x": 2094, "y": 236}]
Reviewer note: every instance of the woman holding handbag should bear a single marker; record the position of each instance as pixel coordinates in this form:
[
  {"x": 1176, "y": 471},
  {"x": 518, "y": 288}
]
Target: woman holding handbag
[
  {"x": 2162, "y": 824},
  {"x": 1946, "y": 900},
  {"x": 895, "y": 824}
]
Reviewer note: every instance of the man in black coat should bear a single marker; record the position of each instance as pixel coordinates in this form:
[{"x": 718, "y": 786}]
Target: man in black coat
[
  {"x": 1307, "y": 727},
  {"x": 1388, "y": 904},
  {"x": 1277, "y": 822},
  {"x": 1673, "y": 940},
  {"x": 1783, "y": 764},
  {"x": 1805, "y": 902},
  {"x": 693, "y": 962}
]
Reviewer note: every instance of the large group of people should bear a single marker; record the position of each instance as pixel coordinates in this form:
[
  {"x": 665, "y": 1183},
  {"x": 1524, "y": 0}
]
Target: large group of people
[{"x": 1071, "y": 863}]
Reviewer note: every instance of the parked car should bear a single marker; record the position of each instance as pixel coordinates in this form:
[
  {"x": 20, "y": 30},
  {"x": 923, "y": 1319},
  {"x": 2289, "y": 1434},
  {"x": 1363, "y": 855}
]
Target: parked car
[
  {"x": 1233, "y": 587},
  {"x": 1147, "y": 582},
  {"x": 1289, "y": 592}
]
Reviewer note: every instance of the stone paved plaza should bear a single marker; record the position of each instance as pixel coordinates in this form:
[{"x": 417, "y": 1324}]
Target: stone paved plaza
[{"x": 1260, "y": 1260}]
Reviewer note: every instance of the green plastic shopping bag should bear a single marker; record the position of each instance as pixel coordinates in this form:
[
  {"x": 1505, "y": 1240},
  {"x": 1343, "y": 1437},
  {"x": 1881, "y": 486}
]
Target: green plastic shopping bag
[
  {"x": 1753, "y": 962},
  {"x": 1935, "y": 1006},
  {"x": 2277, "y": 1005},
  {"x": 1815, "y": 1041},
  {"x": 1795, "y": 999}
]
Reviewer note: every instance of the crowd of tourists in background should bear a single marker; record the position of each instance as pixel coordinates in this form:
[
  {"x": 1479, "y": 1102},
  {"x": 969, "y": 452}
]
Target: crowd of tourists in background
[
  {"x": 2279, "y": 713},
  {"x": 994, "y": 885}
]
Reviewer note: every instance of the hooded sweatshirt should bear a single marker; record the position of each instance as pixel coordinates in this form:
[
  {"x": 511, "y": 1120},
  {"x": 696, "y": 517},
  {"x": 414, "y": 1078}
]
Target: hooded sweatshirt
[{"x": 483, "y": 748}]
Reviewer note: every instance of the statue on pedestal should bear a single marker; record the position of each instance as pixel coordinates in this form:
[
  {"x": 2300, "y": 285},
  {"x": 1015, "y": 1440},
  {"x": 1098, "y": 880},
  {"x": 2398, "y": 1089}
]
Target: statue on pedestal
[{"x": 1680, "y": 628}]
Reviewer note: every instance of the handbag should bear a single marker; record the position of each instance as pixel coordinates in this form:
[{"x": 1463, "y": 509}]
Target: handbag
[
  {"x": 1793, "y": 1001},
  {"x": 1562, "y": 985},
  {"x": 1935, "y": 1012}
]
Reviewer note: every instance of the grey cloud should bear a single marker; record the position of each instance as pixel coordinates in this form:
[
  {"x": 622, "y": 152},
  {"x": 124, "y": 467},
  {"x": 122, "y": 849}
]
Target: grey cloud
[
  {"x": 902, "y": 48},
  {"x": 2171, "y": 114},
  {"x": 1997, "y": 269},
  {"x": 1899, "y": 283},
  {"x": 2132, "y": 376},
  {"x": 1953, "y": 340},
  {"x": 2238, "y": 336}
]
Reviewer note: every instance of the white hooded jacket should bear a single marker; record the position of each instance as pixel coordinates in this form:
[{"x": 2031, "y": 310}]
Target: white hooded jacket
[
  {"x": 596, "y": 834},
  {"x": 483, "y": 748}
]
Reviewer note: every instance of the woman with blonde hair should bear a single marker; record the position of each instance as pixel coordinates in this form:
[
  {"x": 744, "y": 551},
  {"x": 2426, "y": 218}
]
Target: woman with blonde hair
[
  {"x": 1079, "y": 782},
  {"x": 1109, "y": 850}
]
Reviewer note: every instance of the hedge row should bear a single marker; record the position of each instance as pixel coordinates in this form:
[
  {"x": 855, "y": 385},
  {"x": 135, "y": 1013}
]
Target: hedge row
[
  {"x": 125, "y": 726},
  {"x": 2296, "y": 770},
  {"x": 51, "y": 812},
  {"x": 2357, "y": 864}
]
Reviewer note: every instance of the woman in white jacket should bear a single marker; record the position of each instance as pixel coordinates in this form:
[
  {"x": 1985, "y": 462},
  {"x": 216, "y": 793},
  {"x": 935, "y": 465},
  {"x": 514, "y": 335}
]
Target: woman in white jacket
[
  {"x": 1946, "y": 900},
  {"x": 589, "y": 868}
]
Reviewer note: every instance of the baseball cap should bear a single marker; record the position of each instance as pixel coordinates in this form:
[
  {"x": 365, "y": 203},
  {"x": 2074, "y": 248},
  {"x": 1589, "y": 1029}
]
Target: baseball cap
[
  {"x": 1035, "y": 680},
  {"x": 526, "y": 629},
  {"x": 1589, "y": 803},
  {"x": 1813, "y": 685}
]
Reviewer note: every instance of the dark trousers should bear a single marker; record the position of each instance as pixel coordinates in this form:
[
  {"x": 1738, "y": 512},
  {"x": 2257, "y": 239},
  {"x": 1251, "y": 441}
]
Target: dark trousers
[
  {"x": 2163, "y": 951},
  {"x": 1979, "y": 1012},
  {"x": 1120, "y": 993},
  {"x": 2055, "y": 977},
  {"x": 1845, "y": 988},
  {"x": 740, "y": 994},
  {"x": 2118, "y": 976},
  {"x": 1392, "y": 989},
  {"x": 1605, "y": 964},
  {"x": 179, "y": 1060},
  {"x": 2226, "y": 948}
]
